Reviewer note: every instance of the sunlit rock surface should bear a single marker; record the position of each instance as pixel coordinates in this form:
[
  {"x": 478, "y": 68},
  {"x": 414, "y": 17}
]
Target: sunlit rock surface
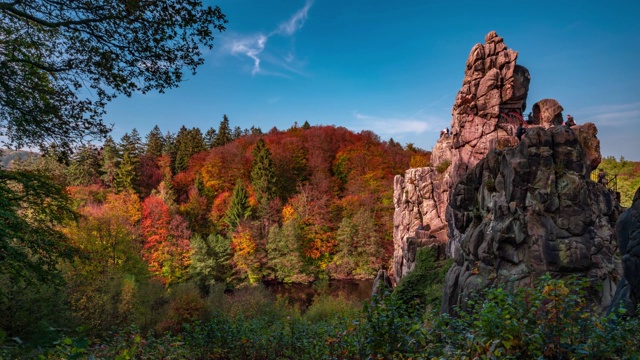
[{"x": 486, "y": 113}]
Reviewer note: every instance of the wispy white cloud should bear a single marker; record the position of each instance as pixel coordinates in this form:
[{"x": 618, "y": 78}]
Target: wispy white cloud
[
  {"x": 296, "y": 22},
  {"x": 253, "y": 46},
  {"x": 613, "y": 115},
  {"x": 399, "y": 126}
]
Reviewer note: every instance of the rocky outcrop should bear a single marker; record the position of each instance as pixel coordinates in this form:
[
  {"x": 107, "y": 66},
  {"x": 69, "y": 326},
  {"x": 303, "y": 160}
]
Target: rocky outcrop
[
  {"x": 531, "y": 209},
  {"x": 486, "y": 113},
  {"x": 420, "y": 200},
  {"x": 547, "y": 113},
  {"x": 509, "y": 210},
  {"x": 381, "y": 284},
  {"x": 628, "y": 232},
  {"x": 489, "y": 106}
]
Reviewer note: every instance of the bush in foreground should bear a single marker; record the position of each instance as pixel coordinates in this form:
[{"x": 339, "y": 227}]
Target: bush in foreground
[{"x": 549, "y": 321}]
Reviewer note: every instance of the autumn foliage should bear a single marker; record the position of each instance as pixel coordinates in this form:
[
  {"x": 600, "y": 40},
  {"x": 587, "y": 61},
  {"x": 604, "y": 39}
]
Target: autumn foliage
[
  {"x": 166, "y": 240},
  {"x": 294, "y": 205}
]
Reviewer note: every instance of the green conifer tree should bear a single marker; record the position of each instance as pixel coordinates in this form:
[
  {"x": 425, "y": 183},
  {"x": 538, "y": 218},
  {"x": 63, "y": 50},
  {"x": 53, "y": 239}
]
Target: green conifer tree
[
  {"x": 188, "y": 143},
  {"x": 224, "y": 133},
  {"x": 154, "y": 142},
  {"x": 210, "y": 260},
  {"x": 181, "y": 149},
  {"x": 84, "y": 167},
  {"x": 110, "y": 162},
  {"x": 237, "y": 133},
  {"x": 126, "y": 176},
  {"x": 263, "y": 177},
  {"x": 238, "y": 207},
  {"x": 132, "y": 145},
  {"x": 283, "y": 252},
  {"x": 210, "y": 137}
]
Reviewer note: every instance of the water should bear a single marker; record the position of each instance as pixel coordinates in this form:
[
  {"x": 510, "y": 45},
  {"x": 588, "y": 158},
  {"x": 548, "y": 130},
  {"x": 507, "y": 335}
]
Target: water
[{"x": 303, "y": 295}]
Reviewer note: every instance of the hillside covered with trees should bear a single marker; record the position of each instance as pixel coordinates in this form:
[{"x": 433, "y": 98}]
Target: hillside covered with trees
[{"x": 624, "y": 175}]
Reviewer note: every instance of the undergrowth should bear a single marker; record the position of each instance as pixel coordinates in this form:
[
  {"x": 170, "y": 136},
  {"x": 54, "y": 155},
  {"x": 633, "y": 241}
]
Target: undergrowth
[{"x": 552, "y": 320}]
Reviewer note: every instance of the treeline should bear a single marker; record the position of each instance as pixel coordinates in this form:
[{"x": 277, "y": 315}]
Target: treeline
[
  {"x": 231, "y": 205},
  {"x": 627, "y": 176}
]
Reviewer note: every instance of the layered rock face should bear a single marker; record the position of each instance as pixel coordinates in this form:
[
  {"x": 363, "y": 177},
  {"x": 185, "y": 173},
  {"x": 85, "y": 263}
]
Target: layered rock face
[
  {"x": 628, "y": 233},
  {"x": 530, "y": 209},
  {"x": 486, "y": 113},
  {"x": 489, "y": 106},
  {"x": 508, "y": 210}
]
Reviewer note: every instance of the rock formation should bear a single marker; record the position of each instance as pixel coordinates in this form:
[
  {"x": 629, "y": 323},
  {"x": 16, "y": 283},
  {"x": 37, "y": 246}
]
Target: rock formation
[
  {"x": 486, "y": 113},
  {"x": 547, "y": 113},
  {"x": 507, "y": 210},
  {"x": 530, "y": 209},
  {"x": 381, "y": 284},
  {"x": 628, "y": 233}
]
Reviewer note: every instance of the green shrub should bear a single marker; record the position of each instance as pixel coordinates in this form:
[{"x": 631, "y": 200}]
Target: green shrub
[
  {"x": 443, "y": 166},
  {"x": 425, "y": 284},
  {"x": 327, "y": 308},
  {"x": 549, "y": 321}
]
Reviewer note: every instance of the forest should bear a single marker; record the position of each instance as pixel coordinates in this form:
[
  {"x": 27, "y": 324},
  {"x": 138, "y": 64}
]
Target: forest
[
  {"x": 234, "y": 206},
  {"x": 222, "y": 208}
]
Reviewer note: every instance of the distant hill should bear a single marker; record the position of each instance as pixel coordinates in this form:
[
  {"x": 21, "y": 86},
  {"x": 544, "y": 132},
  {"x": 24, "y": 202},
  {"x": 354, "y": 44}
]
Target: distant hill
[{"x": 8, "y": 156}]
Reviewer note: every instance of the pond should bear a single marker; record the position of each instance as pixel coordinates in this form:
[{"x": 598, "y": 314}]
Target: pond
[{"x": 303, "y": 295}]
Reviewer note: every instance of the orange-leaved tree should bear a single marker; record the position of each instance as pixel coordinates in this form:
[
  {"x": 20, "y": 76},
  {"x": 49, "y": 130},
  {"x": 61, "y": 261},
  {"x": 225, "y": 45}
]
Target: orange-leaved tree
[{"x": 166, "y": 246}]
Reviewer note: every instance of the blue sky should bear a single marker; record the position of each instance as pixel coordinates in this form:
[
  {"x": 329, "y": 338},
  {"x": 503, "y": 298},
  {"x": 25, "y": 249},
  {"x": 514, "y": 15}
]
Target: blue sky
[{"x": 395, "y": 68}]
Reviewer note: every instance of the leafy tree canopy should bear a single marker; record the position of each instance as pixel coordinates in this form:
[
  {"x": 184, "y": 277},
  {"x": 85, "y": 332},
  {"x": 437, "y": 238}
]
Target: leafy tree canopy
[
  {"x": 31, "y": 208},
  {"x": 62, "y": 61}
]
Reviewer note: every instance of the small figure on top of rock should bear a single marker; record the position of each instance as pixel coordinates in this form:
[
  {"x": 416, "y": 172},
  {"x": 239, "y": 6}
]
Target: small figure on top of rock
[
  {"x": 448, "y": 131},
  {"x": 570, "y": 122},
  {"x": 602, "y": 177}
]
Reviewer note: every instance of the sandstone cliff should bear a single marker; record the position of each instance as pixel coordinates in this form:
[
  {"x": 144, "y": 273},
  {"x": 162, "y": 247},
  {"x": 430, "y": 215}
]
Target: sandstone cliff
[
  {"x": 504, "y": 209},
  {"x": 530, "y": 209},
  {"x": 486, "y": 113}
]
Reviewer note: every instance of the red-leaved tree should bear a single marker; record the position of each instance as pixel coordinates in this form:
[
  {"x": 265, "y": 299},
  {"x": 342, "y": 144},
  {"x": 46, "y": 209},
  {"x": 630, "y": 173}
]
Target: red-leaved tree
[{"x": 166, "y": 247}]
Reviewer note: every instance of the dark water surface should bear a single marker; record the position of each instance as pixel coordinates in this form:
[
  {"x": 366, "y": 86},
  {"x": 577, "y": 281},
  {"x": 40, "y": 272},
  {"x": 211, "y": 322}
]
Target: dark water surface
[{"x": 303, "y": 295}]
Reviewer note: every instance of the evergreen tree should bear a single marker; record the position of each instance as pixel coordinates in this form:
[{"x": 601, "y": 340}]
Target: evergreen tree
[
  {"x": 210, "y": 260},
  {"x": 181, "y": 159},
  {"x": 188, "y": 143},
  {"x": 110, "y": 162},
  {"x": 237, "y": 133},
  {"x": 255, "y": 130},
  {"x": 132, "y": 145},
  {"x": 306, "y": 125},
  {"x": 126, "y": 176},
  {"x": 169, "y": 151},
  {"x": 210, "y": 137},
  {"x": 169, "y": 143},
  {"x": 224, "y": 133},
  {"x": 84, "y": 168},
  {"x": 263, "y": 177},
  {"x": 154, "y": 142},
  {"x": 359, "y": 245},
  {"x": 283, "y": 252},
  {"x": 238, "y": 207}
]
